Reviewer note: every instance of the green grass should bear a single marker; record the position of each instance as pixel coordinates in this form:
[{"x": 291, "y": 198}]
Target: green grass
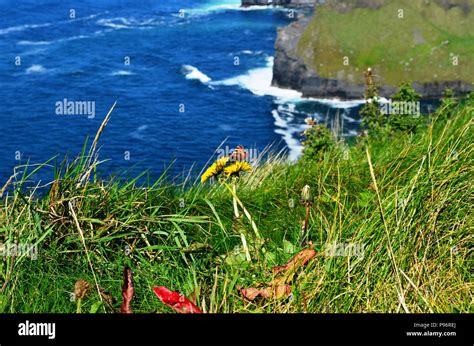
[
  {"x": 410, "y": 214},
  {"x": 418, "y": 47}
]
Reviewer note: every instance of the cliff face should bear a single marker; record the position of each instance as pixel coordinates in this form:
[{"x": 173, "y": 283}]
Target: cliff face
[
  {"x": 295, "y": 68},
  {"x": 290, "y": 71}
]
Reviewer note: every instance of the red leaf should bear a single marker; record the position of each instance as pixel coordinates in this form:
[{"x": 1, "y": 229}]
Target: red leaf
[
  {"x": 127, "y": 291},
  {"x": 176, "y": 301}
]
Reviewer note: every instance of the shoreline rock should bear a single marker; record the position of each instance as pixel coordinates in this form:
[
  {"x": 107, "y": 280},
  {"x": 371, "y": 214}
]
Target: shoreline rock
[{"x": 286, "y": 3}]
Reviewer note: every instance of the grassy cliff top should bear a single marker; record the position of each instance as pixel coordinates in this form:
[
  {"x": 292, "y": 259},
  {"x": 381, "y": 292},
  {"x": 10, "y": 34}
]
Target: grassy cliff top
[
  {"x": 417, "y": 40},
  {"x": 403, "y": 198}
]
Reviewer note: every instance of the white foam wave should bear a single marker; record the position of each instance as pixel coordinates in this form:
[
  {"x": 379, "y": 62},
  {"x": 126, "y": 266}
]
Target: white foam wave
[
  {"x": 248, "y": 52},
  {"x": 66, "y": 39},
  {"x": 129, "y": 23},
  {"x": 42, "y": 25},
  {"x": 291, "y": 108},
  {"x": 289, "y": 134},
  {"x": 279, "y": 121},
  {"x": 233, "y": 7},
  {"x": 338, "y": 103},
  {"x": 350, "y": 120},
  {"x": 115, "y": 23},
  {"x": 35, "y": 69},
  {"x": 192, "y": 72},
  {"x": 22, "y": 27},
  {"x": 122, "y": 73},
  {"x": 259, "y": 80},
  {"x": 33, "y": 43},
  {"x": 72, "y": 38},
  {"x": 214, "y": 8},
  {"x": 230, "y": 5},
  {"x": 88, "y": 17}
]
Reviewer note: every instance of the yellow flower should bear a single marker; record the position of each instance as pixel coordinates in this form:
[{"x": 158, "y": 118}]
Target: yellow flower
[
  {"x": 215, "y": 168},
  {"x": 236, "y": 168}
]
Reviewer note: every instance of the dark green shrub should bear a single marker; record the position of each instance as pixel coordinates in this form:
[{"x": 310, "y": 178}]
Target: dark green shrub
[
  {"x": 317, "y": 140},
  {"x": 404, "y": 122}
]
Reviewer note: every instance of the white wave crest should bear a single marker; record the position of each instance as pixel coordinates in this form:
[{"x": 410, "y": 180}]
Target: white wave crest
[
  {"x": 229, "y": 5},
  {"x": 289, "y": 132},
  {"x": 122, "y": 73},
  {"x": 129, "y": 23},
  {"x": 259, "y": 80},
  {"x": 65, "y": 39},
  {"x": 42, "y": 25},
  {"x": 192, "y": 72},
  {"x": 338, "y": 103},
  {"x": 33, "y": 43},
  {"x": 350, "y": 119},
  {"x": 115, "y": 23},
  {"x": 247, "y": 52},
  {"x": 22, "y": 27},
  {"x": 35, "y": 69}
]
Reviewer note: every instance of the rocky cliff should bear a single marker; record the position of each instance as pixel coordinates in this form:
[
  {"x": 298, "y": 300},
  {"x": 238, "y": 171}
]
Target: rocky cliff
[
  {"x": 287, "y": 3},
  {"x": 296, "y": 65}
]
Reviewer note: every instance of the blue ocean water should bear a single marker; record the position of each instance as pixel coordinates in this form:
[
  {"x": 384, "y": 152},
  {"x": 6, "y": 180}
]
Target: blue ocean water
[{"x": 184, "y": 82}]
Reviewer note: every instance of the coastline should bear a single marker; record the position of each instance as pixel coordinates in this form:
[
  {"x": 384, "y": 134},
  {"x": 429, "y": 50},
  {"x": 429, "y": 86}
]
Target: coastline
[
  {"x": 286, "y": 3},
  {"x": 291, "y": 72}
]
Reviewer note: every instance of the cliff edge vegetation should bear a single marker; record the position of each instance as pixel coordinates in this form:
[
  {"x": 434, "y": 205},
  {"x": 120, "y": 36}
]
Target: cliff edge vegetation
[{"x": 387, "y": 228}]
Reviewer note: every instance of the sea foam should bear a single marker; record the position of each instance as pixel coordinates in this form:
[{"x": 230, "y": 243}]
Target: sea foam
[
  {"x": 122, "y": 73},
  {"x": 192, "y": 72},
  {"x": 230, "y": 5},
  {"x": 33, "y": 43},
  {"x": 259, "y": 82},
  {"x": 289, "y": 134},
  {"x": 35, "y": 69},
  {"x": 23, "y": 27}
]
